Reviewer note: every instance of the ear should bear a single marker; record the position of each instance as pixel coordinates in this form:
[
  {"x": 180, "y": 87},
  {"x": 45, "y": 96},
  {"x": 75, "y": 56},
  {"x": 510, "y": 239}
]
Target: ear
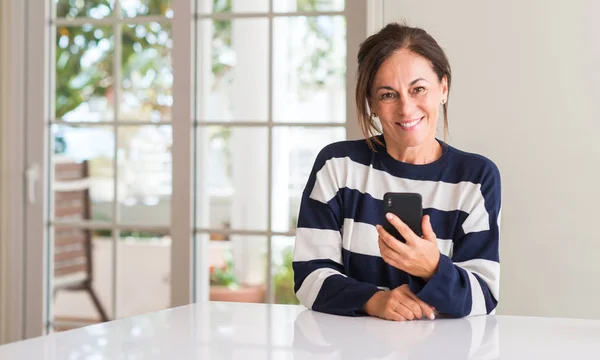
[
  {"x": 444, "y": 87},
  {"x": 372, "y": 109}
]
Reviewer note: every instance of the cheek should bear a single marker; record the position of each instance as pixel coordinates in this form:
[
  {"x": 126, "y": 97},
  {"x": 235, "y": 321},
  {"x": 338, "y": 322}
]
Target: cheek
[{"x": 432, "y": 108}]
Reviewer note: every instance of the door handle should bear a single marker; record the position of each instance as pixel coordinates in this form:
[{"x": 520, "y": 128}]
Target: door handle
[{"x": 32, "y": 175}]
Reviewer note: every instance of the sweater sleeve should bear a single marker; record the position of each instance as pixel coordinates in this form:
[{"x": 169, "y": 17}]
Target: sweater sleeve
[
  {"x": 467, "y": 284},
  {"x": 320, "y": 282}
]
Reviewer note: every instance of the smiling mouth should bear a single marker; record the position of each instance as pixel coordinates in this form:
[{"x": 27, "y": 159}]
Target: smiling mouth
[{"x": 410, "y": 124}]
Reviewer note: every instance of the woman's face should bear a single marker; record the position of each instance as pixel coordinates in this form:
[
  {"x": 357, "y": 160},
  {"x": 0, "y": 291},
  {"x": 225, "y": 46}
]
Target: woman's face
[{"x": 406, "y": 96}]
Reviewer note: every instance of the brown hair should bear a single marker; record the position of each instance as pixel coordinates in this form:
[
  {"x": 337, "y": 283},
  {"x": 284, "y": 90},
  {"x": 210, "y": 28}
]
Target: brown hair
[{"x": 380, "y": 46}]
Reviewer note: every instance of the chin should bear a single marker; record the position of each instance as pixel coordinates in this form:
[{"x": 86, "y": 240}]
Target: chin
[{"x": 411, "y": 140}]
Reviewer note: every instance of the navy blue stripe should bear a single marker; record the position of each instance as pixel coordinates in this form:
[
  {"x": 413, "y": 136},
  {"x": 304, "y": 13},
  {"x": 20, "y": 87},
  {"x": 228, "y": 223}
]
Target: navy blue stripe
[
  {"x": 374, "y": 270},
  {"x": 363, "y": 268},
  {"x": 467, "y": 301},
  {"x": 490, "y": 302},
  {"x": 316, "y": 215},
  {"x": 446, "y": 224},
  {"x": 479, "y": 245},
  {"x": 449, "y": 290},
  {"x": 453, "y": 167},
  {"x": 356, "y": 294},
  {"x": 364, "y": 208}
]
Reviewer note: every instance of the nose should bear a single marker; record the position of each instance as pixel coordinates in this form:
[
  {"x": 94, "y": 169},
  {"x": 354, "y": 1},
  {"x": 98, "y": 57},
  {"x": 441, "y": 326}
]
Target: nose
[{"x": 406, "y": 106}]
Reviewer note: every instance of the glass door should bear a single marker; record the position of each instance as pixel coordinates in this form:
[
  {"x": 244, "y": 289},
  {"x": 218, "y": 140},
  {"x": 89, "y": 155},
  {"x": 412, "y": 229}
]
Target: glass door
[{"x": 109, "y": 160}]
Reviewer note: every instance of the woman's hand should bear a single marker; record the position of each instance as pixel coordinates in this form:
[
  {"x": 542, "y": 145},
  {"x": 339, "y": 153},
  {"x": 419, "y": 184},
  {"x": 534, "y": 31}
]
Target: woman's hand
[
  {"x": 399, "y": 304},
  {"x": 418, "y": 256}
]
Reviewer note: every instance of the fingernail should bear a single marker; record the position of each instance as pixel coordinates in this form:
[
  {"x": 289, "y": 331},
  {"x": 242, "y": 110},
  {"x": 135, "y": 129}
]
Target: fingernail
[
  {"x": 432, "y": 316},
  {"x": 389, "y": 216}
]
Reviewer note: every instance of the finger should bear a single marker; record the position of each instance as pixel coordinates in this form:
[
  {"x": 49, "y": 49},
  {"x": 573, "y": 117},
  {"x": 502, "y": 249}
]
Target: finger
[
  {"x": 405, "y": 298},
  {"x": 395, "y": 316},
  {"x": 391, "y": 242},
  {"x": 402, "y": 228},
  {"x": 426, "y": 309},
  {"x": 390, "y": 256},
  {"x": 404, "y": 311},
  {"x": 427, "y": 229},
  {"x": 414, "y": 307}
]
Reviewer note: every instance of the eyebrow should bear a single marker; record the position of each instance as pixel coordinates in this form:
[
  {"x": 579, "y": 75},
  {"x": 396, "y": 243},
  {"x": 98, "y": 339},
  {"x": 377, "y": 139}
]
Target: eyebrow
[{"x": 392, "y": 89}]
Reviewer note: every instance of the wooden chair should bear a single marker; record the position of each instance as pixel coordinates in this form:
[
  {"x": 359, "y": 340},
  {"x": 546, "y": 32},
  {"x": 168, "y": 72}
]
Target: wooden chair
[{"x": 73, "y": 260}]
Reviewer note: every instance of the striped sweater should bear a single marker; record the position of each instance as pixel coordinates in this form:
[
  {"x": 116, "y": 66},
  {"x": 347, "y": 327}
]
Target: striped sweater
[{"x": 337, "y": 264}]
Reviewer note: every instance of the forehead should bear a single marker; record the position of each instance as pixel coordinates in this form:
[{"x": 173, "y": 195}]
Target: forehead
[{"x": 403, "y": 67}]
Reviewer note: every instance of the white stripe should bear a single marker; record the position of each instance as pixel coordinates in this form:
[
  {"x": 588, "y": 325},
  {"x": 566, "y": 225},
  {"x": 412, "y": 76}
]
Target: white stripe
[
  {"x": 446, "y": 247},
  {"x": 307, "y": 294},
  {"x": 487, "y": 270},
  {"x": 478, "y": 300},
  {"x": 338, "y": 173},
  {"x": 362, "y": 238},
  {"x": 314, "y": 244}
]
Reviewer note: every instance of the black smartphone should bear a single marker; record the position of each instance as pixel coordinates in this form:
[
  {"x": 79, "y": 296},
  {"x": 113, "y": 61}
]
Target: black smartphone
[{"x": 408, "y": 207}]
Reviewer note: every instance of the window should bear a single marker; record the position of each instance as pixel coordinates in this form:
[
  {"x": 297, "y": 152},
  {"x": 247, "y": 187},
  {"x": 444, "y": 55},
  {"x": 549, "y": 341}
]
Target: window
[{"x": 270, "y": 93}]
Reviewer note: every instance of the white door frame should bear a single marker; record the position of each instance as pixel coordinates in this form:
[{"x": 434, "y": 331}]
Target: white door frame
[
  {"x": 182, "y": 153},
  {"x": 35, "y": 162},
  {"x": 12, "y": 107}
]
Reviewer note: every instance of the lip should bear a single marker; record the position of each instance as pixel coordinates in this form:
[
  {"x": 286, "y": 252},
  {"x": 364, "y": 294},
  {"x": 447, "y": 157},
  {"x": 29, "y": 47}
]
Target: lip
[{"x": 408, "y": 122}]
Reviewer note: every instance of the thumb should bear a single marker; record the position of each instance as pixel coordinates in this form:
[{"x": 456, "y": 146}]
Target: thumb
[{"x": 428, "y": 233}]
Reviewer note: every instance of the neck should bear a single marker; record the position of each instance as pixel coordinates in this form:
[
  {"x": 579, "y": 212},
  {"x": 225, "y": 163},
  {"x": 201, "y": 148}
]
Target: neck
[{"x": 425, "y": 153}]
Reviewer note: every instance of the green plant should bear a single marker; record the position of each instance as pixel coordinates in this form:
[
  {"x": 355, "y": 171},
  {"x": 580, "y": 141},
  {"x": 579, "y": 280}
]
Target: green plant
[
  {"x": 223, "y": 275},
  {"x": 284, "y": 280}
]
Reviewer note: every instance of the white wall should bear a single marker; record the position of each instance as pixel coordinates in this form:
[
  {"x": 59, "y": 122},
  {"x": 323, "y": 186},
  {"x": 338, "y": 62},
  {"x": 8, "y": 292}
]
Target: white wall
[{"x": 525, "y": 93}]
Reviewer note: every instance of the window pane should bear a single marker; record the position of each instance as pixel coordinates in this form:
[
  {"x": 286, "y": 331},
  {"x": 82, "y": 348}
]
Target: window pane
[
  {"x": 133, "y": 8},
  {"x": 84, "y": 73},
  {"x": 308, "y": 5},
  {"x": 309, "y": 69},
  {"x": 231, "y": 177},
  {"x": 143, "y": 272},
  {"x": 293, "y": 159},
  {"x": 238, "y": 269},
  {"x": 283, "y": 274},
  {"x": 228, "y": 6},
  {"x": 96, "y": 9},
  {"x": 145, "y": 177},
  {"x": 83, "y": 173},
  {"x": 232, "y": 70},
  {"x": 81, "y": 255},
  {"x": 147, "y": 77}
]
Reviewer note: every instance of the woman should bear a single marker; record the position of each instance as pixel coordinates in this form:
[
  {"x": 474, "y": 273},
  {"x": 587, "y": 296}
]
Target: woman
[{"x": 344, "y": 262}]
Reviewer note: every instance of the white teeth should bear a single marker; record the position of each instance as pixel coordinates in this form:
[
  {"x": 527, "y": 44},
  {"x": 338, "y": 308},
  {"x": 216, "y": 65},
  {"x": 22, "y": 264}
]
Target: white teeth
[{"x": 410, "y": 124}]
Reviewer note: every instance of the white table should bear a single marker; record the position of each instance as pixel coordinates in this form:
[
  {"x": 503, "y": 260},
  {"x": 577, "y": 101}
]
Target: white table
[{"x": 257, "y": 331}]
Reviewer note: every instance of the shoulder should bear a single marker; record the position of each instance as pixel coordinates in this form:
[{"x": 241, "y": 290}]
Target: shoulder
[
  {"x": 473, "y": 167},
  {"x": 356, "y": 150},
  {"x": 345, "y": 148}
]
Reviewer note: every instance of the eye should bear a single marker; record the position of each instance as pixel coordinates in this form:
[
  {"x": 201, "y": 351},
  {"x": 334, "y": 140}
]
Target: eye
[
  {"x": 387, "y": 96},
  {"x": 419, "y": 90}
]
